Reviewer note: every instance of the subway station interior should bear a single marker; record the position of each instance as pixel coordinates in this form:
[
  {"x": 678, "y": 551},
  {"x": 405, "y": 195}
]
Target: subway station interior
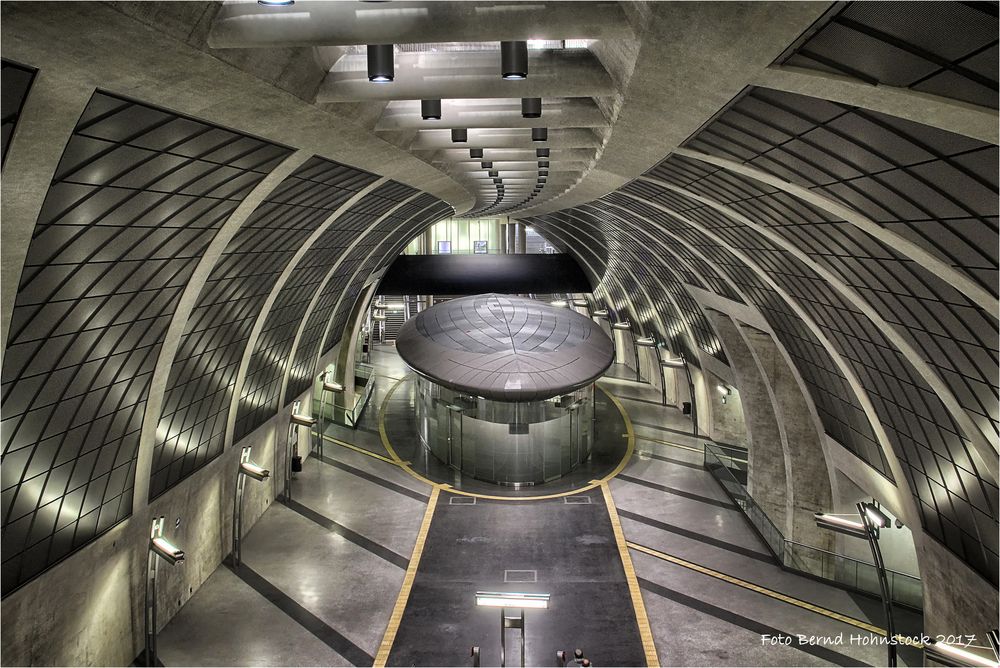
[{"x": 499, "y": 333}]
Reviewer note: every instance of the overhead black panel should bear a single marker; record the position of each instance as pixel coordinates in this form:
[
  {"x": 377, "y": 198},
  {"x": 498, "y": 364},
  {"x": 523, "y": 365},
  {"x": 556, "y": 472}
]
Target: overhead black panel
[
  {"x": 202, "y": 379},
  {"x": 478, "y": 274},
  {"x": 138, "y": 195},
  {"x": 944, "y": 48},
  {"x": 15, "y": 82}
]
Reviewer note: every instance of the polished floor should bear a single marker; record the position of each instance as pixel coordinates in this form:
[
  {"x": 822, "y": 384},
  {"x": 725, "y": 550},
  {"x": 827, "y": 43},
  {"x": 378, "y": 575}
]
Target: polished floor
[{"x": 321, "y": 576}]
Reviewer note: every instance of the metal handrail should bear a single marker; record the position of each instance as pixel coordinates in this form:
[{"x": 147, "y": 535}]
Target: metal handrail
[{"x": 817, "y": 562}]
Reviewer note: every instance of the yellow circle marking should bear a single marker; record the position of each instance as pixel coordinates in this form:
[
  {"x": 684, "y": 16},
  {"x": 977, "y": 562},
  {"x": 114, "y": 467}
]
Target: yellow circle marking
[{"x": 593, "y": 484}]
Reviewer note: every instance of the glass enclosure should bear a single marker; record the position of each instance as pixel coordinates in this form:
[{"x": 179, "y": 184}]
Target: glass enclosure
[
  {"x": 508, "y": 443},
  {"x": 461, "y": 236}
]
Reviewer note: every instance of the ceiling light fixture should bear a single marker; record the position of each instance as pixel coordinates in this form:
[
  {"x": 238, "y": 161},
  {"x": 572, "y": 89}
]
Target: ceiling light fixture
[
  {"x": 476, "y": 153},
  {"x": 543, "y": 163},
  {"x": 539, "y": 134},
  {"x": 531, "y": 107},
  {"x": 494, "y": 173},
  {"x": 487, "y": 164},
  {"x": 380, "y": 63},
  {"x": 430, "y": 110},
  {"x": 514, "y": 60},
  {"x": 459, "y": 135},
  {"x": 497, "y": 181},
  {"x": 276, "y": 3},
  {"x": 543, "y": 172},
  {"x": 541, "y": 152}
]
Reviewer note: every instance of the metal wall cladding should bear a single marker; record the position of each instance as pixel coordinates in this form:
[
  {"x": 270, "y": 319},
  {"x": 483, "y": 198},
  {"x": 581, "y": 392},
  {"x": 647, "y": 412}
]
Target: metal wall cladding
[
  {"x": 15, "y": 81},
  {"x": 944, "y": 48},
  {"x": 356, "y": 228},
  {"x": 202, "y": 379},
  {"x": 138, "y": 195}
]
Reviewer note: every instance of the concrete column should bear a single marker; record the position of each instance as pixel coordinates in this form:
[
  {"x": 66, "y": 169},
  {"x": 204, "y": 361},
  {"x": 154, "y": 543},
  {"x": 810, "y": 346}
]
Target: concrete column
[
  {"x": 522, "y": 238},
  {"x": 767, "y": 479},
  {"x": 511, "y": 238},
  {"x": 809, "y": 477}
]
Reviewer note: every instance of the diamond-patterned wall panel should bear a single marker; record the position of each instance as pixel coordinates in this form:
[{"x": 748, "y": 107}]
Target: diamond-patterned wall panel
[
  {"x": 203, "y": 376},
  {"x": 943, "y": 48},
  {"x": 138, "y": 195},
  {"x": 15, "y": 82},
  {"x": 355, "y": 228}
]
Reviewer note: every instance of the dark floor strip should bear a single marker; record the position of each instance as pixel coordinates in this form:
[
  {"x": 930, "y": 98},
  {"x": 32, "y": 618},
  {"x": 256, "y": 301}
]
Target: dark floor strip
[
  {"x": 818, "y": 651},
  {"x": 682, "y": 432},
  {"x": 305, "y": 619},
  {"x": 353, "y": 536},
  {"x": 375, "y": 479},
  {"x": 671, "y": 460},
  {"x": 700, "y": 537},
  {"x": 678, "y": 492},
  {"x": 141, "y": 660}
]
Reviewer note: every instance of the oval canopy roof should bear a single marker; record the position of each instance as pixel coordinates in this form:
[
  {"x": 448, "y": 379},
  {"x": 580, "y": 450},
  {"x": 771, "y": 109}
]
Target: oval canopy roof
[{"x": 505, "y": 348}]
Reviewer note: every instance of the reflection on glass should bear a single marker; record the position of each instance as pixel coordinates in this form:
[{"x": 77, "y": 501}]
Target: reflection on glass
[{"x": 510, "y": 443}]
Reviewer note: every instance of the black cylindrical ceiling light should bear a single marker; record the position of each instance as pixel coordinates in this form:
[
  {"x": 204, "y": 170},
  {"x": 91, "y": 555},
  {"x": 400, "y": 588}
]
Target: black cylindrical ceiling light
[
  {"x": 276, "y": 3},
  {"x": 494, "y": 173},
  {"x": 543, "y": 164},
  {"x": 380, "y": 64},
  {"x": 476, "y": 153},
  {"x": 430, "y": 110},
  {"x": 543, "y": 172},
  {"x": 497, "y": 181},
  {"x": 539, "y": 134},
  {"x": 514, "y": 60},
  {"x": 531, "y": 107},
  {"x": 459, "y": 135},
  {"x": 541, "y": 152},
  {"x": 487, "y": 164}
]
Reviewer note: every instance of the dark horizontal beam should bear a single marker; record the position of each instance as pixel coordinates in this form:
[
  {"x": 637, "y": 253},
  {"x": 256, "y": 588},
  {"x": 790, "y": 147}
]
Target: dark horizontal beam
[{"x": 477, "y": 274}]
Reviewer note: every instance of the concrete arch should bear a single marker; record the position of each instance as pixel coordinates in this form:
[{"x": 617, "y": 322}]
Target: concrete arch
[
  {"x": 982, "y": 447},
  {"x": 960, "y": 281},
  {"x": 265, "y": 309}
]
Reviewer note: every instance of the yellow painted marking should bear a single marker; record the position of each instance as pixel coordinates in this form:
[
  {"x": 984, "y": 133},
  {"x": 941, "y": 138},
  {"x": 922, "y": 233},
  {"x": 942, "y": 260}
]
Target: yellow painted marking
[
  {"x": 645, "y": 632},
  {"x": 630, "y": 448},
  {"x": 784, "y": 598},
  {"x": 411, "y": 572},
  {"x": 344, "y": 444}
]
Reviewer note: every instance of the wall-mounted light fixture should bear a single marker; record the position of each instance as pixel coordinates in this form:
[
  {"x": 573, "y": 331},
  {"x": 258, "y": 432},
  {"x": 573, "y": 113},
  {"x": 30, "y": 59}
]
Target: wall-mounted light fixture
[
  {"x": 381, "y": 68},
  {"x": 514, "y": 60},
  {"x": 531, "y": 107},
  {"x": 726, "y": 392},
  {"x": 539, "y": 134},
  {"x": 430, "y": 110},
  {"x": 293, "y": 462},
  {"x": 459, "y": 135},
  {"x": 329, "y": 387}
]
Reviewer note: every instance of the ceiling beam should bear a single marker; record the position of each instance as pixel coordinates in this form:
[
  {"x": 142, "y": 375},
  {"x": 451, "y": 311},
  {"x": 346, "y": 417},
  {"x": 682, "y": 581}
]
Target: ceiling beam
[{"x": 573, "y": 112}]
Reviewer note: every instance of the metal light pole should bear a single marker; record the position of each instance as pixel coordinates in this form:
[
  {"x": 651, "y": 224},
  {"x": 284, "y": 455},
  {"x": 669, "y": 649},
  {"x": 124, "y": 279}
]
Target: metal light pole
[
  {"x": 159, "y": 548},
  {"x": 246, "y": 469},
  {"x": 295, "y": 420},
  {"x": 872, "y": 521}
]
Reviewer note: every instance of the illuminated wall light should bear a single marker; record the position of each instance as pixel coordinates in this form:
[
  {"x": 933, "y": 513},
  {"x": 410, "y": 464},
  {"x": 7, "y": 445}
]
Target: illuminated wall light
[
  {"x": 430, "y": 110},
  {"x": 514, "y": 60},
  {"x": 381, "y": 68}
]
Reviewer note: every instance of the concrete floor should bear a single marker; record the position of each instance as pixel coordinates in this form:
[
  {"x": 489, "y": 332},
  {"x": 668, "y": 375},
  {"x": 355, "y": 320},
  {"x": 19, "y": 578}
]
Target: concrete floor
[{"x": 321, "y": 575}]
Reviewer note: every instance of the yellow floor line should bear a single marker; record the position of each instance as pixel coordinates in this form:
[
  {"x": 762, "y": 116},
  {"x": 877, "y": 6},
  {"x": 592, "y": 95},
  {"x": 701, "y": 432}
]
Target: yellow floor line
[
  {"x": 645, "y": 632},
  {"x": 396, "y": 459},
  {"x": 344, "y": 444},
  {"x": 404, "y": 593},
  {"x": 784, "y": 598}
]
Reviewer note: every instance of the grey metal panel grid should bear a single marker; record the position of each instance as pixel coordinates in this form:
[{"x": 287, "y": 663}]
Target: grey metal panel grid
[
  {"x": 202, "y": 379},
  {"x": 137, "y": 197},
  {"x": 922, "y": 431},
  {"x": 15, "y": 82},
  {"x": 944, "y": 48},
  {"x": 505, "y": 348}
]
